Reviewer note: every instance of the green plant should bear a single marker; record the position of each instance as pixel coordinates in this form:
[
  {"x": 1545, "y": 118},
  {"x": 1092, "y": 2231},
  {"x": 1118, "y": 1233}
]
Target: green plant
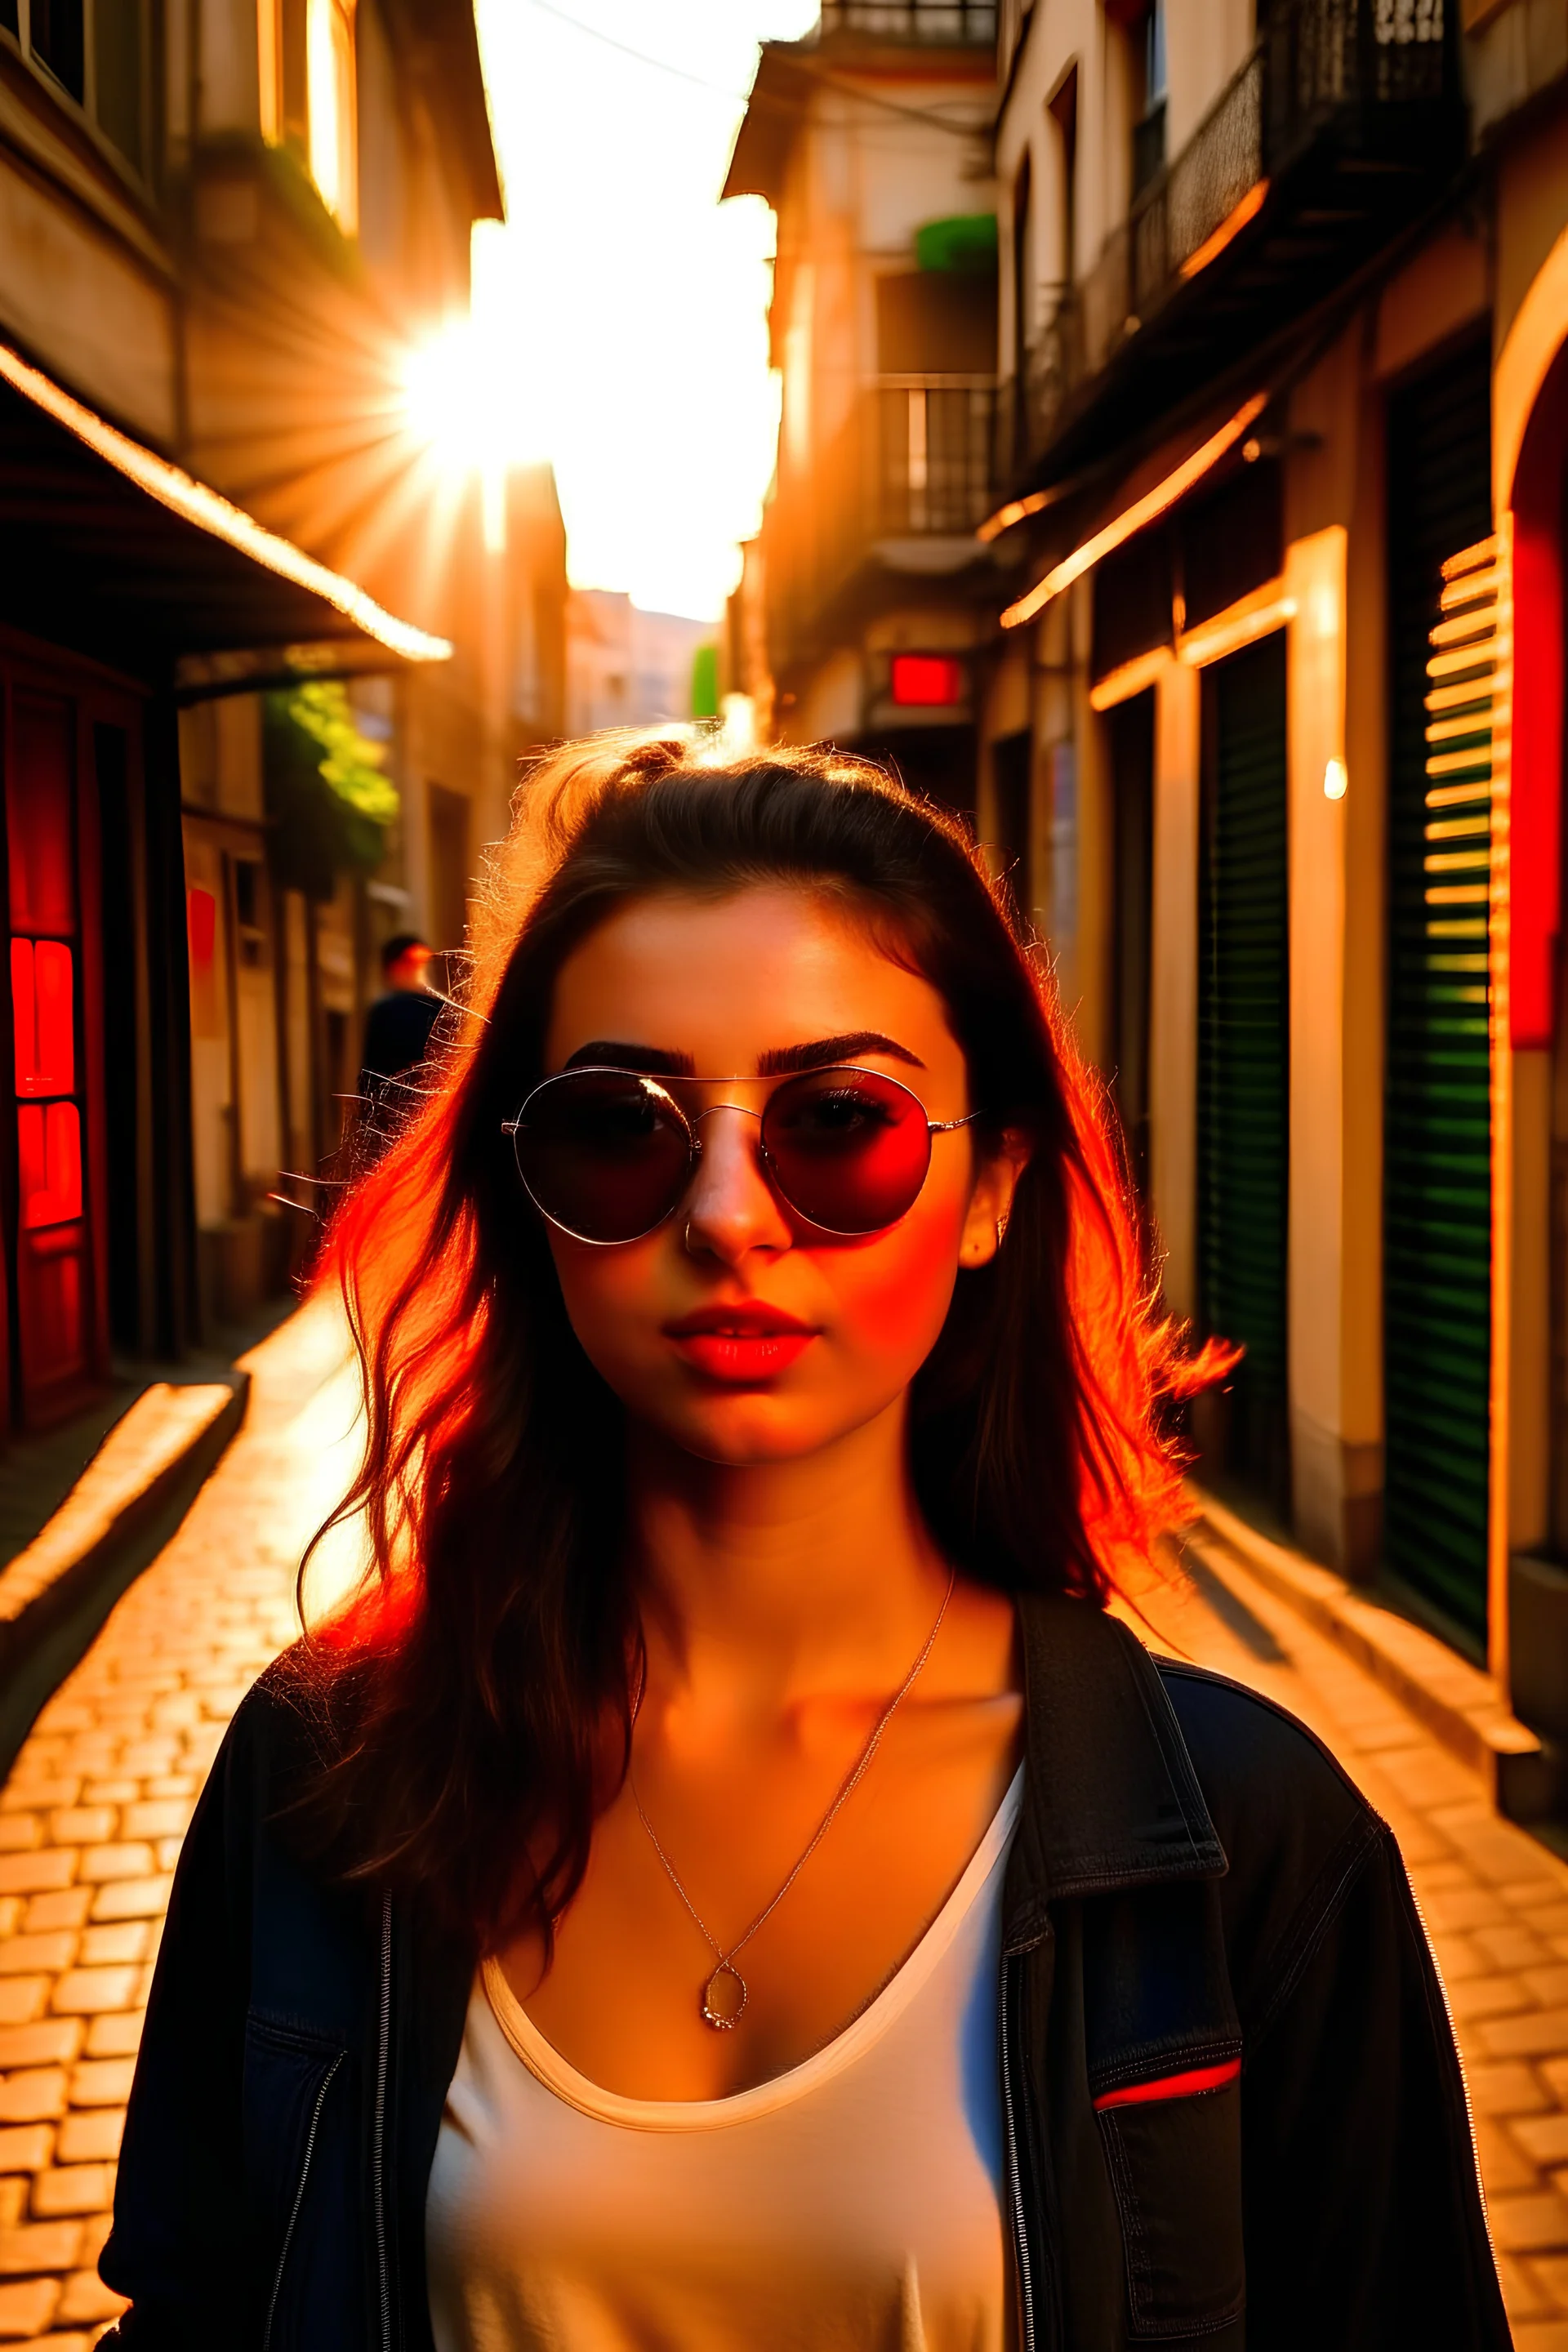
[{"x": 331, "y": 806}]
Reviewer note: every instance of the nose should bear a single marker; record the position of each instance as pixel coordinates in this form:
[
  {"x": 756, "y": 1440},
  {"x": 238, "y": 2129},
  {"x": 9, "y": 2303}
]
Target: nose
[{"x": 731, "y": 1208}]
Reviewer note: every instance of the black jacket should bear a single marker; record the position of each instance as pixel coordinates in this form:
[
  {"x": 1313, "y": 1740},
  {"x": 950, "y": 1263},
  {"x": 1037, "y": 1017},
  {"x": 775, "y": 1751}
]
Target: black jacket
[{"x": 1193, "y": 1882}]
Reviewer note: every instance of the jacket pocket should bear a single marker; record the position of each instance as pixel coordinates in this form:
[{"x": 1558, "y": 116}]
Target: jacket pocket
[
  {"x": 1173, "y": 2149},
  {"x": 289, "y": 2077}
]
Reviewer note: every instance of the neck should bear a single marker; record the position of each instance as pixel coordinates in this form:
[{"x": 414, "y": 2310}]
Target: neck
[{"x": 784, "y": 1578}]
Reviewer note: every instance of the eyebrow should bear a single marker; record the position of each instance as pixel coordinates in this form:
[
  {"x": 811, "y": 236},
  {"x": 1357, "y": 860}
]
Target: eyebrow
[{"x": 779, "y": 1061}]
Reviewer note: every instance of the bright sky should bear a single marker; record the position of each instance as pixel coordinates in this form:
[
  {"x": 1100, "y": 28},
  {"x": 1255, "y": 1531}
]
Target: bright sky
[{"x": 622, "y": 307}]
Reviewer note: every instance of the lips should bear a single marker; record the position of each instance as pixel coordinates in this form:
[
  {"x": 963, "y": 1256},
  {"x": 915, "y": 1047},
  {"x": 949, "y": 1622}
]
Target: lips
[{"x": 741, "y": 1345}]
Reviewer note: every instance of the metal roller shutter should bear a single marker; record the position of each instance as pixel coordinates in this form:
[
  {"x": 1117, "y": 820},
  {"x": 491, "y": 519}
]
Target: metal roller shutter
[
  {"x": 1437, "y": 1123},
  {"x": 1244, "y": 1049}
]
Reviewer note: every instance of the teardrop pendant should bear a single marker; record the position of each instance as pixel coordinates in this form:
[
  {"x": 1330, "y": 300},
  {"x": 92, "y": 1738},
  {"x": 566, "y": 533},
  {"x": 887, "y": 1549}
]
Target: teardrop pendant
[{"x": 724, "y": 1998}]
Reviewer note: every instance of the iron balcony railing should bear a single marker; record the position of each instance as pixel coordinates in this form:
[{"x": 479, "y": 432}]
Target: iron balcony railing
[
  {"x": 1317, "y": 64},
  {"x": 948, "y": 24},
  {"x": 912, "y": 461}
]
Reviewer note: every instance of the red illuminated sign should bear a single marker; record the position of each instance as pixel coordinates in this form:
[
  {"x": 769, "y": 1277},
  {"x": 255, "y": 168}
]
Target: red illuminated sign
[{"x": 928, "y": 681}]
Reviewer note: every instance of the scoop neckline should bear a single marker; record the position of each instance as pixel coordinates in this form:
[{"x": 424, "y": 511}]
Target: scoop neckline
[{"x": 558, "y": 2075}]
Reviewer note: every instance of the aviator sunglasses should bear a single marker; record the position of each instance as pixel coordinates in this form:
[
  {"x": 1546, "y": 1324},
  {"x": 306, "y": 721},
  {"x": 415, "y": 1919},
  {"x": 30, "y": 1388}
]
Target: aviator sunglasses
[{"x": 607, "y": 1155}]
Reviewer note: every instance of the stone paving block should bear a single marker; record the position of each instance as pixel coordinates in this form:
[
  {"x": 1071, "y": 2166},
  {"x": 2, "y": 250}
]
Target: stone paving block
[
  {"x": 167, "y": 1819},
  {"x": 1547, "y": 1985},
  {"x": 1504, "y": 2090},
  {"x": 1523, "y": 2294},
  {"x": 23, "y": 1999},
  {"x": 1459, "y": 1906},
  {"x": 85, "y": 1992},
  {"x": 1503, "y": 2161},
  {"x": 123, "y": 1940},
  {"x": 1541, "y": 2335},
  {"x": 1538, "y": 2034},
  {"x": 95, "y": 2236},
  {"x": 72, "y": 2188},
  {"x": 39, "y": 2246},
  {"x": 22, "y": 1955},
  {"x": 1543, "y": 2138},
  {"x": 102, "y": 1862},
  {"x": 32, "y": 1874},
  {"x": 20, "y": 1832},
  {"x": 118, "y": 2035},
  {"x": 1552, "y": 2271},
  {"x": 1533, "y": 2222},
  {"x": 101, "y": 2082},
  {"x": 87, "y": 2297},
  {"x": 53, "y": 2042},
  {"x": 26, "y": 2307},
  {"x": 26, "y": 2148},
  {"x": 22, "y": 1794},
  {"x": 1477, "y": 1997},
  {"x": 132, "y": 1898},
  {"x": 1506, "y": 1946},
  {"x": 32, "y": 2095},
  {"x": 93, "y": 2138},
  {"x": 83, "y": 1824},
  {"x": 67, "y": 1907}
]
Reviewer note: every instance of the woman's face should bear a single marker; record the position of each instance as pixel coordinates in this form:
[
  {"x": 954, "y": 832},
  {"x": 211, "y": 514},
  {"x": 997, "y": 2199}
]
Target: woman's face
[{"x": 735, "y": 1328}]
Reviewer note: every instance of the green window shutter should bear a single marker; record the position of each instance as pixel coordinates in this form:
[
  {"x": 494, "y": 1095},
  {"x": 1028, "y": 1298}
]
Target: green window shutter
[
  {"x": 1243, "y": 1006},
  {"x": 1437, "y": 1118}
]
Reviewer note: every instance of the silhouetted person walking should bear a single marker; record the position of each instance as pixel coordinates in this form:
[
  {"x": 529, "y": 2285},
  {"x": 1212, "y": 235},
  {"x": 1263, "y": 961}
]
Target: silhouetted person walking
[{"x": 397, "y": 1029}]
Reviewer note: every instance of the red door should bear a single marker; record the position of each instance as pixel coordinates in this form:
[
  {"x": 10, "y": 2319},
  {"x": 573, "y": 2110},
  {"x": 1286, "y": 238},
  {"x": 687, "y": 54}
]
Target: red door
[{"x": 55, "y": 1303}]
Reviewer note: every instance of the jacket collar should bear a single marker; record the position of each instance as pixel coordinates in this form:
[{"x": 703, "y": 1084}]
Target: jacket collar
[{"x": 1110, "y": 1796}]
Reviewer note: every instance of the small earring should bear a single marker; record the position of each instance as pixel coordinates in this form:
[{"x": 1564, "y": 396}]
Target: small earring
[
  {"x": 1001, "y": 1231},
  {"x": 685, "y": 1240}
]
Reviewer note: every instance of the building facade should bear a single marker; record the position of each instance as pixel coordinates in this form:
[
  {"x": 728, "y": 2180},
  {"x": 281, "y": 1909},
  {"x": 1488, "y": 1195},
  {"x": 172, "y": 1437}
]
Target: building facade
[
  {"x": 1258, "y": 348},
  {"x": 228, "y": 228},
  {"x": 870, "y": 139},
  {"x": 1269, "y": 717}
]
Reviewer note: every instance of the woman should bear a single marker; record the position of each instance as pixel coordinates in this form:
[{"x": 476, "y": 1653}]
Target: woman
[{"x": 729, "y": 1882}]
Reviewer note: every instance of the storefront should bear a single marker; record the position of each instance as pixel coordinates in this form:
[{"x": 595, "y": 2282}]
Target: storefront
[{"x": 127, "y": 593}]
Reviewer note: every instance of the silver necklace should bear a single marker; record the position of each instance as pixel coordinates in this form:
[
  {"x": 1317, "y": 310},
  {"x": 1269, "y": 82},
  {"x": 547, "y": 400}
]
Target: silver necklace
[{"x": 725, "y": 1994}]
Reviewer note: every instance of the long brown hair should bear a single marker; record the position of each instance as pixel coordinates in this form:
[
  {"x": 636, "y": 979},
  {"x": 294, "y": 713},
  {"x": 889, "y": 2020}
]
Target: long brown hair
[{"x": 469, "y": 1685}]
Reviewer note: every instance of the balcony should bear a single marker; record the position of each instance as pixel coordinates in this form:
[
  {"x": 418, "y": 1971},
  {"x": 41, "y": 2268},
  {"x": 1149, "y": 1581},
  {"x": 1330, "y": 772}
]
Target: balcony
[
  {"x": 941, "y": 24},
  {"x": 898, "y": 490},
  {"x": 1343, "y": 123}
]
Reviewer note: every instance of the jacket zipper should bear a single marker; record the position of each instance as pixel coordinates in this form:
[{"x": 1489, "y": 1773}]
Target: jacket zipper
[
  {"x": 377, "y": 2156},
  {"x": 326, "y": 2086},
  {"x": 1011, "y": 1965}
]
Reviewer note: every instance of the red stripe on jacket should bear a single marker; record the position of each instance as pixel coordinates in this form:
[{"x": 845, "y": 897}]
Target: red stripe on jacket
[{"x": 1171, "y": 2086}]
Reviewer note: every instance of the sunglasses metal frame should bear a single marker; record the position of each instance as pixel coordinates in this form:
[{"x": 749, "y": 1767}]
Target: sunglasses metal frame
[{"x": 690, "y": 1123}]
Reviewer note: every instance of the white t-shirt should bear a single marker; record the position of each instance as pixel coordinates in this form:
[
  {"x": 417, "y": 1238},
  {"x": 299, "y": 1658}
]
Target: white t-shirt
[{"x": 851, "y": 2205}]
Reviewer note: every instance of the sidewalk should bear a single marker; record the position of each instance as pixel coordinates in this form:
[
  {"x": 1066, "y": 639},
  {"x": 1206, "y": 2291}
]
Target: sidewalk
[{"x": 91, "y": 1818}]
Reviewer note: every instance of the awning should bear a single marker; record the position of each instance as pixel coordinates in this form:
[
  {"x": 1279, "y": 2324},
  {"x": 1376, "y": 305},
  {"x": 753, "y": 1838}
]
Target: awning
[
  {"x": 108, "y": 549},
  {"x": 1133, "y": 517}
]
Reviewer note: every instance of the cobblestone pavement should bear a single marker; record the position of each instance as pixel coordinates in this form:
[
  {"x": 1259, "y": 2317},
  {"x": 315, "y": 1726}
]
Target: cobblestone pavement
[{"x": 91, "y": 1818}]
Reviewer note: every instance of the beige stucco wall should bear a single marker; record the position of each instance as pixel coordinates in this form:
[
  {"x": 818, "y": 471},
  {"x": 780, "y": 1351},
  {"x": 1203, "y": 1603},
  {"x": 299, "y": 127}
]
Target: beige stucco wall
[
  {"x": 1174, "y": 981},
  {"x": 82, "y": 305}
]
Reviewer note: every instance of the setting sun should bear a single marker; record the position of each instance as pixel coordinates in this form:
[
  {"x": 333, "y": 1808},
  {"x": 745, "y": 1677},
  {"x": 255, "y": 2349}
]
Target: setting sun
[{"x": 622, "y": 309}]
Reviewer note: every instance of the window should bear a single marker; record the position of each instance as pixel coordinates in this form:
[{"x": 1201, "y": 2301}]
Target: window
[
  {"x": 329, "y": 88},
  {"x": 95, "y": 51},
  {"x": 308, "y": 80},
  {"x": 55, "y": 37},
  {"x": 1149, "y": 131}
]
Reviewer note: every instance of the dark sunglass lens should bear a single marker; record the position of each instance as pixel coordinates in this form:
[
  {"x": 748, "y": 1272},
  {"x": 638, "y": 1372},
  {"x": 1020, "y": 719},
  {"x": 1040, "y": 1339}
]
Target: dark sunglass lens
[
  {"x": 849, "y": 1149},
  {"x": 604, "y": 1153}
]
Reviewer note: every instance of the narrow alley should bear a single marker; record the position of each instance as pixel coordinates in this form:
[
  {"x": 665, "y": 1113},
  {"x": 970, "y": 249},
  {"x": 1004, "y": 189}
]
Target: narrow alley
[{"x": 91, "y": 1818}]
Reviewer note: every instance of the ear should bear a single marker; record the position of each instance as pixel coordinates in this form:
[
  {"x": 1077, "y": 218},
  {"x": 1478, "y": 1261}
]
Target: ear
[{"x": 990, "y": 1201}]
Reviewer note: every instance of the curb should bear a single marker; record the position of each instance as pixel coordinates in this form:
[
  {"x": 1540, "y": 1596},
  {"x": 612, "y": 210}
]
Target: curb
[
  {"x": 57, "y": 1591},
  {"x": 1464, "y": 1708}
]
